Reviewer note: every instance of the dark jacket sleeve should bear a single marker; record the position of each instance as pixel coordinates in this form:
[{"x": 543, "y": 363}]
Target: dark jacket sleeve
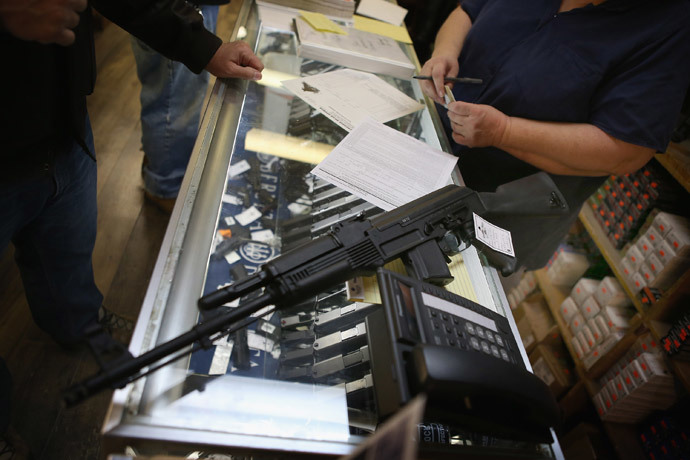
[{"x": 174, "y": 28}]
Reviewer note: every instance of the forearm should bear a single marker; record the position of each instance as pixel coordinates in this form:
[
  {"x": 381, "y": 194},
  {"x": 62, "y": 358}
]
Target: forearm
[
  {"x": 571, "y": 148},
  {"x": 174, "y": 28},
  {"x": 451, "y": 35}
]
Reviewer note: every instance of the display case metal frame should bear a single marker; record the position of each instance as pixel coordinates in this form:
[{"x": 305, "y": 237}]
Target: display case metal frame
[{"x": 169, "y": 307}]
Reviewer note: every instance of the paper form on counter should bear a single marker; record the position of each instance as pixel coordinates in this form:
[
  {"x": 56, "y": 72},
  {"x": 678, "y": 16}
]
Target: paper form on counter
[
  {"x": 349, "y": 96},
  {"x": 384, "y": 166}
]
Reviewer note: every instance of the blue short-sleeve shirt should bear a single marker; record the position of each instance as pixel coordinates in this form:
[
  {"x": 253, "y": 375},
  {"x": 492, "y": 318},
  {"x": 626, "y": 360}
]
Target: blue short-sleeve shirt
[{"x": 623, "y": 66}]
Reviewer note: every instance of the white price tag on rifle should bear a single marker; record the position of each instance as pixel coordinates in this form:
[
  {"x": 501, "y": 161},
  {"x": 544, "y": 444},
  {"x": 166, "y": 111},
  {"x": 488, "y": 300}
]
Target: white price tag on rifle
[{"x": 494, "y": 237}]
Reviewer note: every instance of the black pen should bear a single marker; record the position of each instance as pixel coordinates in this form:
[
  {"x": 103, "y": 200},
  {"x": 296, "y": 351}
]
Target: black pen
[{"x": 474, "y": 81}]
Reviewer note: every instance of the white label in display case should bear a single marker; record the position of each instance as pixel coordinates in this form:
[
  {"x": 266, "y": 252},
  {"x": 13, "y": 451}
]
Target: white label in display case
[
  {"x": 238, "y": 168},
  {"x": 248, "y": 216}
]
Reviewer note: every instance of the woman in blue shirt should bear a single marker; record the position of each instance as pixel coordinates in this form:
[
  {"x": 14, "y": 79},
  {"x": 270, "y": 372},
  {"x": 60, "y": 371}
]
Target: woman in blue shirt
[{"x": 577, "y": 88}]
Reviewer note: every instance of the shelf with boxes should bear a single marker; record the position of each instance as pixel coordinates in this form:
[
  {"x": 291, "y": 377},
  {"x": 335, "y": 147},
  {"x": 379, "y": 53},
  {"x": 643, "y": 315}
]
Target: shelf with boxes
[
  {"x": 622, "y": 370},
  {"x": 639, "y": 222},
  {"x": 653, "y": 265},
  {"x": 633, "y": 371},
  {"x": 595, "y": 341}
]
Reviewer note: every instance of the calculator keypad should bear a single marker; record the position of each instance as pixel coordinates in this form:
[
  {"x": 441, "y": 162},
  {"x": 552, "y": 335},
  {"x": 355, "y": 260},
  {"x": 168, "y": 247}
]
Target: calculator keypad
[{"x": 454, "y": 331}]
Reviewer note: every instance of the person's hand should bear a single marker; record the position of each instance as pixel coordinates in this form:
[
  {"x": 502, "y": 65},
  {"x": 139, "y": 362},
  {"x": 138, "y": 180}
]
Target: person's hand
[
  {"x": 438, "y": 67},
  {"x": 43, "y": 21},
  {"x": 235, "y": 60},
  {"x": 477, "y": 125}
]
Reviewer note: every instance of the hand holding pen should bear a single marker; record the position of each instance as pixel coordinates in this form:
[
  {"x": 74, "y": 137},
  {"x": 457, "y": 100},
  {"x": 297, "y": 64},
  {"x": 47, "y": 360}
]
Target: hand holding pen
[{"x": 437, "y": 73}]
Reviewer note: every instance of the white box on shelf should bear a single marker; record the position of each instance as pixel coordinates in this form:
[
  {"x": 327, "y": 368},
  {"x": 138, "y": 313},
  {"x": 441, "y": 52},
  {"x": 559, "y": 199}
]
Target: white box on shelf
[
  {"x": 622, "y": 388},
  {"x": 666, "y": 252},
  {"x": 613, "y": 391},
  {"x": 635, "y": 257},
  {"x": 610, "y": 341},
  {"x": 575, "y": 342},
  {"x": 596, "y": 330},
  {"x": 576, "y": 323},
  {"x": 638, "y": 281},
  {"x": 592, "y": 357},
  {"x": 602, "y": 323},
  {"x": 665, "y": 222},
  {"x": 678, "y": 238},
  {"x": 655, "y": 265},
  {"x": 584, "y": 287},
  {"x": 611, "y": 292},
  {"x": 644, "y": 246},
  {"x": 654, "y": 236},
  {"x": 647, "y": 273},
  {"x": 567, "y": 268},
  {"x": 617, "y": 318},
  {"x": 583, "y": 343},
  {"x": 590, "y": 307},
  {"x": 647, "y": 344},
  {"x": 568, "y": 309},
  {"x": 628, "y": 268},
  {"x": 589, "y": 336}
]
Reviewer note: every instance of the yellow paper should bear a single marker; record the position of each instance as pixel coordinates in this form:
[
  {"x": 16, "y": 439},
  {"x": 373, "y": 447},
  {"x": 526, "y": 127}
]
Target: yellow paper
[
  {"x": 461, "y": 285},
  {"x": 321, "y": 23},
  {"x": 398, "y": 33}
]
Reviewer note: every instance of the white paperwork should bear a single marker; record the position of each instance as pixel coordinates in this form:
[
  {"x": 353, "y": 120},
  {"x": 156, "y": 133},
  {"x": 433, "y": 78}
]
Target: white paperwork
[
  {"x": 382, "y": 10},
  {"x": 384, "y": 166},
  {"x": 349, "y": 96}
]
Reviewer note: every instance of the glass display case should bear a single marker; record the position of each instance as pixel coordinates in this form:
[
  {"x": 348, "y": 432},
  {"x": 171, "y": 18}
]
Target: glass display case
[{"x": 297, "y": 380}]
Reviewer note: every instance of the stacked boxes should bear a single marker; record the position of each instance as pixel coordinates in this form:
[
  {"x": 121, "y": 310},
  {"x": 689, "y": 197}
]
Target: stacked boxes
[
  {"x": 622, "y": 203},
  {"x": 567, "y": 265},
  {"x": 664, "y": 244},
  {"x": 597, "y": 314},
  {"x": 527, "y": 285},
  {"x": 636, "y": 385},
  {"x": 534, "y": 320}
]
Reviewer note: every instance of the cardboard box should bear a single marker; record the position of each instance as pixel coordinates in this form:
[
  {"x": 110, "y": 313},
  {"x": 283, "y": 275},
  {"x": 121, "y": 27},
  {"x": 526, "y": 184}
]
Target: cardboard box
[
  {"x": 555, "y": 372},
  {"x": 525, "y": 329},
  {"x": 539, "y": 316}
]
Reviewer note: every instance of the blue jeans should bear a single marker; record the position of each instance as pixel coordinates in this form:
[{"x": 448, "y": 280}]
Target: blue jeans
[
  {"x": 171, "y": 100},
  {"x": 51, "y": 219}
]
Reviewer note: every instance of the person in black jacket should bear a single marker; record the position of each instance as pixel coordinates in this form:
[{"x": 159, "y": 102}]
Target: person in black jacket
[
  {"x": 171, "y": 99},
  {"x": 48, "y": 171}
]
